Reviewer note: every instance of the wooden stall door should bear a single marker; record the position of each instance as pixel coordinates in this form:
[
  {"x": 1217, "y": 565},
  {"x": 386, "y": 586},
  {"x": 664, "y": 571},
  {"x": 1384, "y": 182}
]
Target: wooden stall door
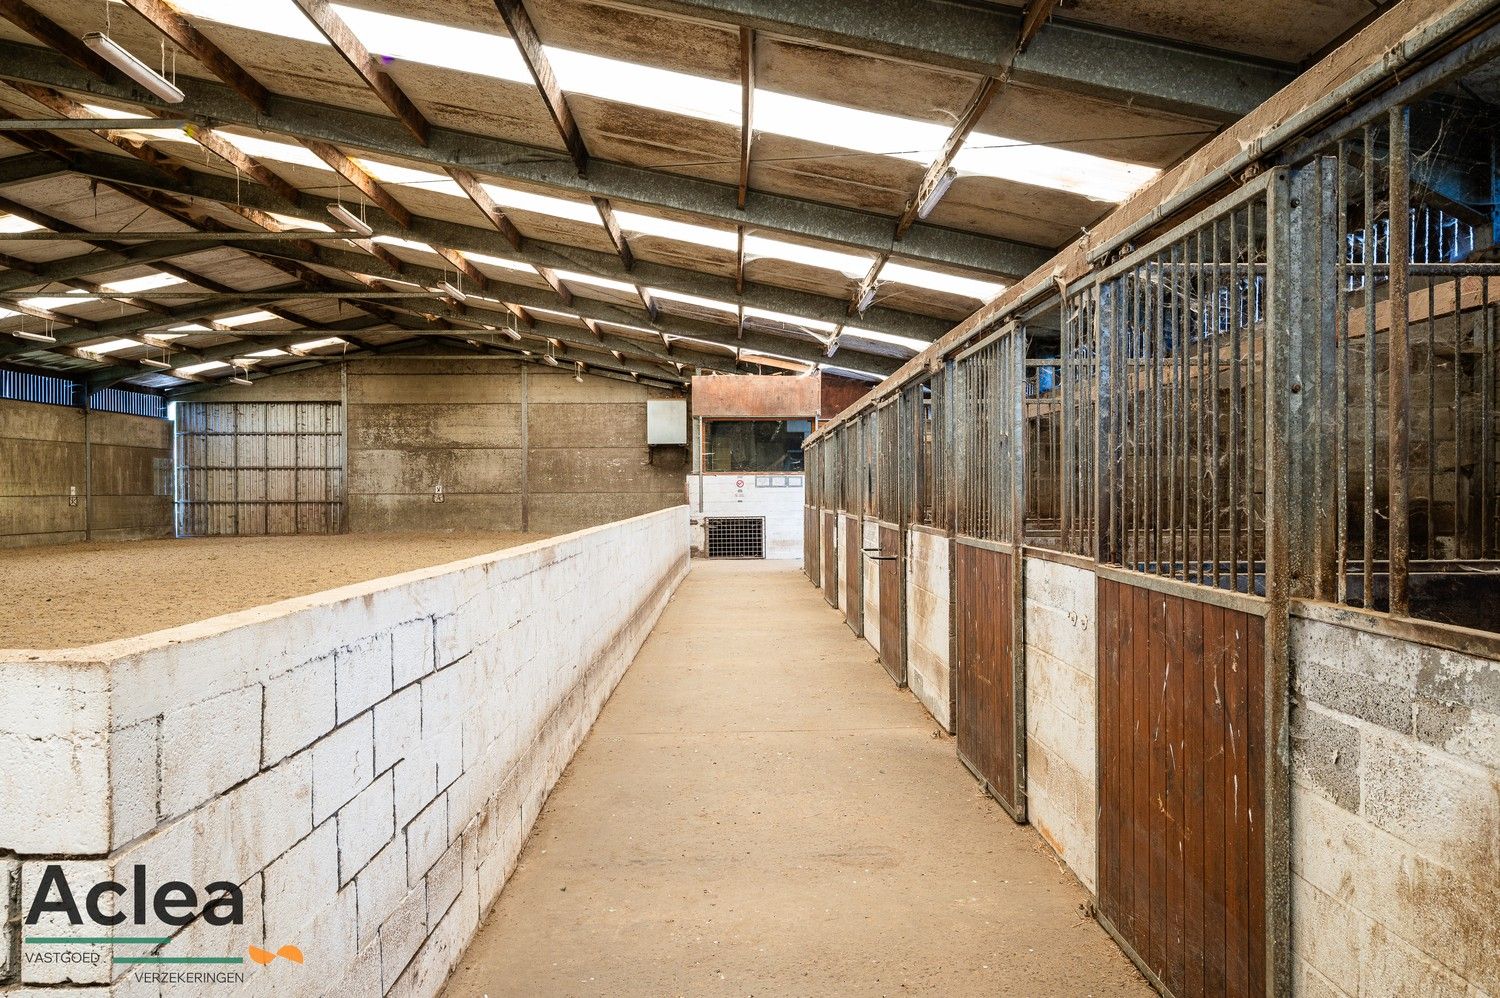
[
  {"x": 892, "y": 603},
  {"x": 827, "y": 557},
  {"x": 986, "y": 718},
  {"x": 811, "y": 545},
  {"x": 854, "y": 576},
  {"x": 1181, "y": 774}
]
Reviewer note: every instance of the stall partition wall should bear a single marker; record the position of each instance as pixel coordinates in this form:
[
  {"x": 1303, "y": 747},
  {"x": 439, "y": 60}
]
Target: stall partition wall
[{"x": 989, "y": 662}]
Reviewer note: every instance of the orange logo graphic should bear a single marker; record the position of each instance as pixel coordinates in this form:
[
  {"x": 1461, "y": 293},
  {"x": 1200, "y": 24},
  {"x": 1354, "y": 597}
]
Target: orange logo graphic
[{"x": 264, "y": 956}]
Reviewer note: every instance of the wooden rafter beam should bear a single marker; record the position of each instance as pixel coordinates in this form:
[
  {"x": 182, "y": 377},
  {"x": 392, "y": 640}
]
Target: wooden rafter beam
[
  {"x": 353, "y": 51},
  {"x": 616, "y": 234},
  {"x": 940, "y": 166},
  {"x": 487, "y": 206},
  {"x": 367, "y": 185},
  {"x": 180, "y": 30},
  {"x": 523, "y": 31},
  {"x": 1037, "y": 13},
  {"x": 747, "y": 108}
]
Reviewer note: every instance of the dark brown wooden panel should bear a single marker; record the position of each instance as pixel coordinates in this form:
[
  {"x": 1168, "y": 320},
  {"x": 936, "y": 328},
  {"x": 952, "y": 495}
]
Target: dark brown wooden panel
[
  {"x": 854, "y": 574},
  {"x": 985, "y": 671},
  {"x": 812, "y": 544},
  {"x": 1181, "y": 787},
  {"x": 893, "y": 603},
  {"x": 827, "y": 557}
]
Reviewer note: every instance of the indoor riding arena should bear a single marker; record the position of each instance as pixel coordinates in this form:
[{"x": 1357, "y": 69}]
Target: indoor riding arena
[{"x": 663, "y": 497}]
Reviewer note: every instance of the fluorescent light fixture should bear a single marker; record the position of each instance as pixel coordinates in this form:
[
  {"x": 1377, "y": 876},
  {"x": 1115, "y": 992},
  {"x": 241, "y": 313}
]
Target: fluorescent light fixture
[
  {"x": 132, "y": 67},
  {"x": 578, "y": 372},
  {"x": 938, "y": 190},
  {"x": 238, "y": 378},
  {"x": 452, "y": 291},
  {"x": 549, "y": 360},
  {"x": 866, "y": 299},
  {"x": 35, "y": 337},
  {"x": 160, "y": 365},
  {"x": 350, "y": 219},
  {"x": 316, "y": 344}
]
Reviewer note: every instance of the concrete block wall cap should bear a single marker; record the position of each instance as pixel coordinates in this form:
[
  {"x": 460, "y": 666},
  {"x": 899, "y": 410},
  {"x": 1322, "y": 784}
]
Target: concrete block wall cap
[{"x": 107, "y": 652}]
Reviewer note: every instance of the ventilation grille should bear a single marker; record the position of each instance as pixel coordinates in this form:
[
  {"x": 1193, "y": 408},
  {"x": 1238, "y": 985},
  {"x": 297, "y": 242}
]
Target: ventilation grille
[{"x": 737, "y": 537}]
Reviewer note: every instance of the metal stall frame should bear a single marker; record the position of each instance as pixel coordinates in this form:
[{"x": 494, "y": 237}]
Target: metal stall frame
[
  {"x": 988, "y": 516},
  {"x": 1141, "y": 565}
]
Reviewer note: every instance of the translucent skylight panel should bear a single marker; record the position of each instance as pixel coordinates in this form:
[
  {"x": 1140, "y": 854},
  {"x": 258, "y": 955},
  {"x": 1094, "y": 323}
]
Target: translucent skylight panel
[
  {"x": 245, "y": 319},
  {"x": 207, "y": 365},
  {"x": 500, "y": 262},
  {"x": 543, "y": 204},
  {"x": 60, "y": 301},
  {"x": 875, "y": 336},
  {"x": 406, "y": 244},
  {"x": 190, "y": 327},
  {"x": 790, "y": 320},
  {"x": 575, "y": 277},
  {"x": 646, "y": 86},
  {"x": 274, "y": 17},
  {"x": 300, "y": 223},
  {"x": 709, "y": 303},
  {"x": 150, "y": 282},
  {"x": 477, "y": 52},
  {"x": 848, "y": 264},
  {"x": 1048, "y": 166},
  {"x": 390, "y": 173},
  {"x": 15, "y": 223},
  {"x": 932, "y": 280},
  {"x": 667, "y": 228},
  {"x": 262, "y": 354},
  {"x": 279, "y": 152},
  {"x": 318, "y": 344},
  {"x": 848, "y": 127},
  {"x": 109, "y": 346}
]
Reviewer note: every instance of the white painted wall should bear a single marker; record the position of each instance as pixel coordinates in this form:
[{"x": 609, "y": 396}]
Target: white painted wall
[
  {"x": 366, "y": 762},
  {"x": 927, "y": 558},
  {"x": 1395, "y": 816},
  {"x": 870, "y": 546},
  {"x": 1061, "y": 669},
  {"x": 752, "y": 495}
]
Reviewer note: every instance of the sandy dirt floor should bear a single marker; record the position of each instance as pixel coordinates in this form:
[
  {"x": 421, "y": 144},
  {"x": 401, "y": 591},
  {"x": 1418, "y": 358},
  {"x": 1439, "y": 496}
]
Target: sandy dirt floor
[
  {"x": 759, "y": 811},
  {"x": 78, "y": 594}
]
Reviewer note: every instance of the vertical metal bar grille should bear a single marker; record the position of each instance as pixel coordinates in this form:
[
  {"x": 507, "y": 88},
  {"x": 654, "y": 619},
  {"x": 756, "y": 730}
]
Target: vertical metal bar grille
[
  {"x": 1183, "y": 327},
  {"x": 1414, "y": 467}
]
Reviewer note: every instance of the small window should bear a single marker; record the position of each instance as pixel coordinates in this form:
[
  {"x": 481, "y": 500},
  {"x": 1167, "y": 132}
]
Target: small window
[{"x": 755, "y": 446}]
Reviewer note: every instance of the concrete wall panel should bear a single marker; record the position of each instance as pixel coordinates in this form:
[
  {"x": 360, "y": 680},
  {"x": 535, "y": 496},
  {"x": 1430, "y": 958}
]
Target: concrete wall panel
[
  {"x": 1395, "y": 815},
  {"x": 43, "y": 455},
  {"x": 1061, "y": 669},
  {"x": 927, "y": 565}
]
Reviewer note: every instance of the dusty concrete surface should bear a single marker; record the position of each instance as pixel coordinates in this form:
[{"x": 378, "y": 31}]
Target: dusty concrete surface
[
  {"x": 78, "y": 594},
  {"x": 760, "y": 812}
]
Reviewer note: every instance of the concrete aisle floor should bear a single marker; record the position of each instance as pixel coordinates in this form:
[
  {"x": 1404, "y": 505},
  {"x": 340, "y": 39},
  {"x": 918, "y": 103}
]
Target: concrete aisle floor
[{"x": 759, "y": 811}]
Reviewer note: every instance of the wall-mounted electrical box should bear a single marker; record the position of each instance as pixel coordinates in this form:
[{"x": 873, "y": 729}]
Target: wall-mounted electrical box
[{"x": 667, "y": 423}]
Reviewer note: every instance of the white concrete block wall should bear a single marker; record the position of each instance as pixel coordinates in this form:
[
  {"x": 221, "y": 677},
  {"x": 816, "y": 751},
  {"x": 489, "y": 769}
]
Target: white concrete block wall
[
  {"x": 751, "y": 495},
  {"x": 1061, "y": 668},
  {"x": 1395, "y": 816},
  {"x": 927, "y": 567},
  {"x": 365, "y": 762},
  {"x": 869, "y": 583}
]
